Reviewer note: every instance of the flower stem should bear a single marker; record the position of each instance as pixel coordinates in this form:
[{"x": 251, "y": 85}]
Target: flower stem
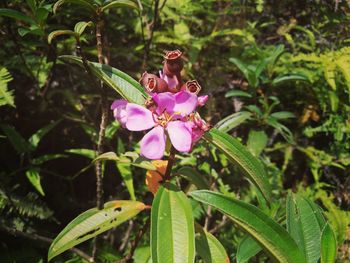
[{"x": 171, "y": 161}]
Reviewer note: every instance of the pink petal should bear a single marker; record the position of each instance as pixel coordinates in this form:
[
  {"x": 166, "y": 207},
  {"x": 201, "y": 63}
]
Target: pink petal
[
  {"x": 118, "y": 103},
  {"x": 153, "y": 143},
  {"x": 180, "y": 136},
  {"x": 138, "y": 118},
  {"x": 165, "y": 102},
  {"x": 185, "y": 102},
  {"x": 119, "y": 111}
]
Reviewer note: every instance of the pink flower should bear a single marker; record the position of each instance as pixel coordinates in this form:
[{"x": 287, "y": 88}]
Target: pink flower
[
  {"x": 166, "y": 119},
  {"x": 202, "y": 100},
  {"x": 119, "y": 111}
]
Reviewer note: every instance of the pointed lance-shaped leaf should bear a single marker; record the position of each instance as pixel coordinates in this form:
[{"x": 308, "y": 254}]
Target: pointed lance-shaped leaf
[{"x": 93, "y": 222}]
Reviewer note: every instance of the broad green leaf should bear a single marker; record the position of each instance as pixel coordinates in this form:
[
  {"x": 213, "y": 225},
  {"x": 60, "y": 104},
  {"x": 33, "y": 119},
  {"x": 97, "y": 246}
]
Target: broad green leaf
[
  {"x": 93, "y": 222},
  {"x": 16, "y": 15},
  {"x": 34, "y": 178},
  {"x": 80, "y": 27},
  {"x": 172, "y": 227},
  {"x": 247, "y": 248},
  {"x": 17, "y": 141},
  {"x": 57, "y": 33},
  {"x": 283, "y": 130},
  {"x": 39, "y": 134},
  {"x": 6, "y": 96},
  {"x": 237, "y": 93},
  {"x": 47, "y": 157},
  {"x": 257, "y": 141},
  {"x": 328, "y": 245},
  {"x": 193, "y": 176},
  {"x": 233, "y": 120},
  {"x": 142, "y": 255},
  {"x": 126, "y": 173},
  {"x": 41, "y": 14},
  {"x": 122, "y": 83},
  {"x": 304, "y": 226},
  {"x": 209, "y": 248},
  {"x": 272, "y": 237},
  {"x": 82, "y": 3},
  {"x": 88, "y": 153},
  {"x": 120, "y": 3},
  {"x": 239, "y": 156}
]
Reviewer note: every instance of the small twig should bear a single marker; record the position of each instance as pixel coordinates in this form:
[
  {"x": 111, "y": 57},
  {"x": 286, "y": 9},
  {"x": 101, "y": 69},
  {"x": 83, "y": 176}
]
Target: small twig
[
  {"x": 217, "y": 227},
  {"x": 207, "y": 218},
  {"x": 150, "y": 39},
  {"x": 135, "y": 242},
  {"x": 171, "y": 161},
  {"x": 46, "y": 240},
  {"x": 127, "y": 236}
]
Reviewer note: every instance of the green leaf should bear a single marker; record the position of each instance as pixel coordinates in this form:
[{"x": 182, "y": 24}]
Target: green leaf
[
  {"x": 142, "y": 255},
  {"x": 57, "y": 33},
  {"x": 80, "y": 27},
  {"x": 16, "y": 15},
  {"x": 39, "y": 134},
  {"x": 82, "y": 3},
  {"x": 88, "y": 153},
  {"x": 257, "y": 141},
  {"x": 193, "y": 176},
  {"x": 6, "y": 96},
  {"x": 122, "y": 83},
  {"x": 247, "y": 72},
  {"x": 233, "y": 120},
  {"x": 172, "y": 227},
  {"x": 304, "y": 226},
  {"x": 34, "y": 178},
  {"x": 238, "y": 155},
  {"x": 126, "y": 173},
  {"x": 291, "y": 77},
  {"x": 328, "y": 245},
  {"x": 93, "y": 222},
  {"x": 41, "y": 14},
  {"x": 272, "y": 237},
  {"x": 17, "y": 141},
  {"x": 209, "y": 248},
  {"x": 282, "y": 115},
  {"x": 120, "y": 3},
  {"x": 237, "y": 93},
  {"x": 247, "y": 248},
  {"x": 47, "y": 157}
]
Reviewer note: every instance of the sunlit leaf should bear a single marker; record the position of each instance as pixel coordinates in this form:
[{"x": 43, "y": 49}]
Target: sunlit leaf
[
  {"x": 57, "y": 33},
  {"x": 122, "y": 83},
  {"x": 80, "y": 27},
  {"x": 209, "y": 248},
  {"x": 91, "y": 154},
  {"x": 39, "y": 134},
  {"x": 34, "y": 178},
  {"x": 172, "y": 227},
  {"x": 120, "y": 3},
  {"x": 272, "y": 237},
  {"x": 328, "y": 245},
  {"x": 247, "y": 248},
  {"x": 257, "y": 141},
  {"x": 238, "y": 155},
  {"x": 93, "y": 222},
  {"x": 233, "y": 120},
  {"x": 47, "y": 157},
  {"x": 237, "y": 93}
]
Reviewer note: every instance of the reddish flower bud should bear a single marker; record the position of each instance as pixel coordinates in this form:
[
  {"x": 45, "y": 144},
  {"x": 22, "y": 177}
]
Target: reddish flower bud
[
  {"x": 152, "y": 83},
  {"x": 173, "y": 63},
  {"x": 192, "y": 86}
]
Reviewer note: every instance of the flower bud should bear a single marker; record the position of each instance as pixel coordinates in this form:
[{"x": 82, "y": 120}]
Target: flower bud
[
  {"x": 173, "y": 63},
  {"x": 192, "y": 86},
  {"x": 202, "y": 100},
  {"x": 152, "y": 83}
]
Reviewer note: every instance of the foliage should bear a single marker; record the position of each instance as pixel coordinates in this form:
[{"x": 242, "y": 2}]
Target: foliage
[{"x": 268, "y": 182}]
